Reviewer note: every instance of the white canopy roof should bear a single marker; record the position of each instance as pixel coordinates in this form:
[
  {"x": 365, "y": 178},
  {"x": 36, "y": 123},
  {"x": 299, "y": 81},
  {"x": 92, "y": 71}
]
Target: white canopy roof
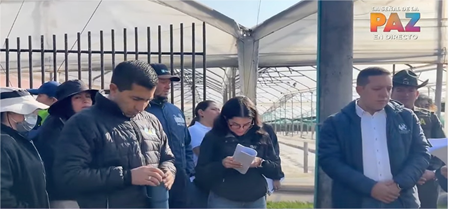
[
  {"x": 287, "y": 39},
  {"x": 290, "y": 38}
]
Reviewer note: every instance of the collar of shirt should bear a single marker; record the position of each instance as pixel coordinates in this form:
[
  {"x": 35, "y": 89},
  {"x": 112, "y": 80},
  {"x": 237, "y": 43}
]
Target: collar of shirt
[
  {"x": 361, "y": 112},
  {"x": 201, "y": 126}
]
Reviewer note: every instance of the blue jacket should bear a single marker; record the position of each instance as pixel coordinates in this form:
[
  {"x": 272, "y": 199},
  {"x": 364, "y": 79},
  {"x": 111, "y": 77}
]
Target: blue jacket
[
  {"x": 174, "y": 125},
  {"x": 340, "y": 156}
]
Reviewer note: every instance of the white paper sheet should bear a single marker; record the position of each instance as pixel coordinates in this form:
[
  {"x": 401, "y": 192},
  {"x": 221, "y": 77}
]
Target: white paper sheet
[
  {"x": 439, "y": 148},
  {"x": 270, "y": 185},
  {"x": 245, "y": 156}
]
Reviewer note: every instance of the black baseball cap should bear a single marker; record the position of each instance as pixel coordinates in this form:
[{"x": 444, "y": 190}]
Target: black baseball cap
[{"x": 163, "y": 72}]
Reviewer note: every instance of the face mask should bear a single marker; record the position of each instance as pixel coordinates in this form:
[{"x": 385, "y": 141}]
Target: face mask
[{"x": 27, "y": 124}]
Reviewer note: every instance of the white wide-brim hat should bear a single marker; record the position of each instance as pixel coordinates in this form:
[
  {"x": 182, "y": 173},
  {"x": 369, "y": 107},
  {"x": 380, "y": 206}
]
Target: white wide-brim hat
[{"x": 18, "y": 101}]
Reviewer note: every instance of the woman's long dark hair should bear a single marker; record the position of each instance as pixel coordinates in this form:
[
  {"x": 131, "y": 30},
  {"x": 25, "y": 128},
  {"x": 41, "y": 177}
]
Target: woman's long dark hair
[
  {"x": 200, "y": 106},
  {"x": 239, "y": 106}
]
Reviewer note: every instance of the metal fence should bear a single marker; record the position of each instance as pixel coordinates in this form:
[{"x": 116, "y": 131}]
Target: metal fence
[{"x": 55, "y": 59}]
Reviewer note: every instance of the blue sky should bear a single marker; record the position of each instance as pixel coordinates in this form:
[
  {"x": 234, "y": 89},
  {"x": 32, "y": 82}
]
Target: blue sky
[{"x": 245, "y": 12}]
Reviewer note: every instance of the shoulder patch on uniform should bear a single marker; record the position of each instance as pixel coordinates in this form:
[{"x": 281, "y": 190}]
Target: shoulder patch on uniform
[{"x": 422, "y": 121}]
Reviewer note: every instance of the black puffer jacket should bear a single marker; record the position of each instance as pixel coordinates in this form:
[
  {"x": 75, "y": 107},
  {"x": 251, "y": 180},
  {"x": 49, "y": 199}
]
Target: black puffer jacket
[
  {"x": 97, "y": 149},
  {"x": 229, "y": 183},
  {"x": 22, "y": 173}
]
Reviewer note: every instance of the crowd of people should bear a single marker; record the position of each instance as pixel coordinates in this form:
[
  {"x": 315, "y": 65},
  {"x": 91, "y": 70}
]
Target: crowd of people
[{"x": 75, "y": 147}]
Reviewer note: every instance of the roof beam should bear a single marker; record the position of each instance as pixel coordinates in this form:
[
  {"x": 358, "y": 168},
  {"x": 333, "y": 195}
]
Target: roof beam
[
  {"x": 205, "y": 14},
  {"x": 287, "y": 17}
]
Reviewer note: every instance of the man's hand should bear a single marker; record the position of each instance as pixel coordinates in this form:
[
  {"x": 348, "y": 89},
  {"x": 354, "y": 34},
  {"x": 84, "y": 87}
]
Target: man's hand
[
  {"x": 443, "y": 171},
  {"x": 276, "y": 185},
  {"x": 168, "y": 179},
  {"x": 427, "y": 175},
  {"x": 422, "y": 181},
  {"x": 385, "y": 192},
  {"x": 229, "y": 162},
  {"x": 146, "y": 175},
  {"x": 256, "y": 162}
]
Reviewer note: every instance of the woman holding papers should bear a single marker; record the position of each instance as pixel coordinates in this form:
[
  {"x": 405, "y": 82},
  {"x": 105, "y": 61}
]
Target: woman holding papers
[{"x": 223, "y": 168}]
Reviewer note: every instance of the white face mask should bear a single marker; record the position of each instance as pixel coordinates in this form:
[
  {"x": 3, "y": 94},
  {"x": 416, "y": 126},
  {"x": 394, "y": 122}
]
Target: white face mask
[{"x": 27, "y": 124}]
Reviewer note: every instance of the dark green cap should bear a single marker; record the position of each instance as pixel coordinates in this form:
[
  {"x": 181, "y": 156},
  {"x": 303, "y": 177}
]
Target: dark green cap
[{"x": 407, "y": 78}]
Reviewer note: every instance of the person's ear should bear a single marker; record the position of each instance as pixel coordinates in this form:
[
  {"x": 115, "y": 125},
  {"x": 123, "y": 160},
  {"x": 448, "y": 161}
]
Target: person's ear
[
  {"x": 201, "y": 113},
  {"x": 359, "y": 90}
]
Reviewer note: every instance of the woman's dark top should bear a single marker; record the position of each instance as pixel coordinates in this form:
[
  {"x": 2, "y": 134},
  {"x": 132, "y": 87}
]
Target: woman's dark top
[
  {"x": 22, "y": 173},
  {"x": 229, "y": 183},
  {"x": 45, "y": 143}
]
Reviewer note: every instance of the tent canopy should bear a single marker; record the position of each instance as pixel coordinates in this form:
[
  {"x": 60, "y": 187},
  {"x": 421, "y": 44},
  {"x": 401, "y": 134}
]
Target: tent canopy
[{"x": 287, "y": 39}]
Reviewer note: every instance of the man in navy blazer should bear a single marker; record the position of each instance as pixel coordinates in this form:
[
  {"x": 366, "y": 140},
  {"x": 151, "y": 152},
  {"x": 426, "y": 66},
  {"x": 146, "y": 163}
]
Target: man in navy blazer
[{"x": 374, "y": 149}]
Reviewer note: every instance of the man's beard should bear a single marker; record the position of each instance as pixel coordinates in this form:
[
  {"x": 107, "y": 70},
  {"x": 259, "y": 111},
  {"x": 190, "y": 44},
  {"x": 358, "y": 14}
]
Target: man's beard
[{"x": 161, "y": 98}]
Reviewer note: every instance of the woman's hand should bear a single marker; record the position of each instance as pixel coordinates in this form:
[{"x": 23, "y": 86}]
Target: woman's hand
[
  {"x": 256, "y": 162},
  {"x": 276, "y": 185},
  {"x": 229, "y": 162}
]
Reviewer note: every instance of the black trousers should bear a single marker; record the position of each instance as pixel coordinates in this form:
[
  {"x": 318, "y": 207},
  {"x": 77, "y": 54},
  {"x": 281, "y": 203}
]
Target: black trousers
[
  {"x": 179, "y": 193},
  {"x": 428, "y": 194}
]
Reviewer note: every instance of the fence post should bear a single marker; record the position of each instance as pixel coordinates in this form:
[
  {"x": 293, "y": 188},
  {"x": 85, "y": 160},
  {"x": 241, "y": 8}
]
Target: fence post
[{"x": 306, "y": 157}]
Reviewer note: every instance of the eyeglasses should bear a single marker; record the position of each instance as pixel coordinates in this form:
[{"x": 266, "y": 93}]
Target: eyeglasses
[{"x": 238, "y": 126}]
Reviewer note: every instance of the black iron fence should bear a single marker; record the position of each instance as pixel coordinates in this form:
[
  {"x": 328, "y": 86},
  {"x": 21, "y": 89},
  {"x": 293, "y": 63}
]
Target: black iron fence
[{"x": 95, "y": 55}]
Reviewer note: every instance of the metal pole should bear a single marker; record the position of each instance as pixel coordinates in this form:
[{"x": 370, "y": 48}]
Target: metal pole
[
  {"x": 439, "y": 73},
  {"x": 312, "y": 127},
  {"x": 285, "y": 117},
  {"x": 300, "y": 107},
  {"x": 291, "y": 108},
  {"x": 334, "y": 74},
  {"x": 275, "y": 119}
]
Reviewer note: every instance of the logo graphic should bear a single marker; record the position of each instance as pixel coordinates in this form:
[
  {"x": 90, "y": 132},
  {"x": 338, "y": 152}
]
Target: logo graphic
[
  {"x": 394, "y": 22},
  {"x": 149, "y": 132},
  {"x": 422, "y": 121},
  {"x": 403, "y": 129},
  {"x": 179, "y": 120}
]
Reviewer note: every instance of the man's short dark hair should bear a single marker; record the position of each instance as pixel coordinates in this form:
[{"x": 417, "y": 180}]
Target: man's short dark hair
[
  {"x": 363, "y": 77},
  {"x": 132, "y": 72}
]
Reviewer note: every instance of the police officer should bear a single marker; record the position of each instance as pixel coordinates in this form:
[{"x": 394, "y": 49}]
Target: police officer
[{"x": 405, "y": 90}]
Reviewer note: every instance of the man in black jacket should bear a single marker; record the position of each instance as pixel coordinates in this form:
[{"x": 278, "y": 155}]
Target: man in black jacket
[
  {"x": 374, "y": 149},
  {"x": 106, "y": 153}
]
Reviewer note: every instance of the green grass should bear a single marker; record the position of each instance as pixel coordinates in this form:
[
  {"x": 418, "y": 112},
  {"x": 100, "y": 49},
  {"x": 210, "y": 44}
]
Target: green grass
[{"x": 289, "y": 204}]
